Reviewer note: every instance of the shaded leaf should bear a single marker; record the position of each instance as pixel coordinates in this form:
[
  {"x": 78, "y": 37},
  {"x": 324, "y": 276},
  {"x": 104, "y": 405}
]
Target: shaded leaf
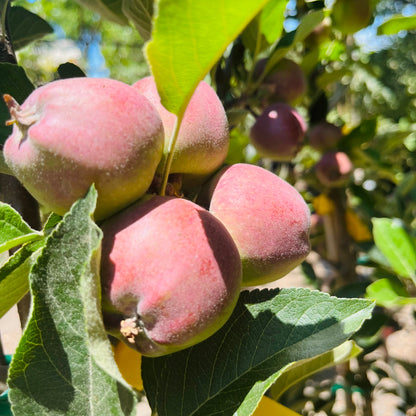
[
  {"x": 364, "y": 132},
  {"x": 58, "y": 367},
  {"x": 397, "y": 246},
  {"x": 396, "y": 24},
  {"x": 267, "y": 331},
  {"x": 188, "y": 38},
  {"x": 108, "y": 9},
  {"x": 14, "y": 231},
  {"x": 70, "y": 70},
  {"x": 25, "y": 26},
  {"x": 140, "y": 13},
  {"x": 13, "y": 81},
  {"x": 252, "y": 38}
]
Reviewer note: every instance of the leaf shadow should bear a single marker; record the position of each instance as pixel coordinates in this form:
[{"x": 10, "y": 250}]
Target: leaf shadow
[{"x": 215, "y": 376}]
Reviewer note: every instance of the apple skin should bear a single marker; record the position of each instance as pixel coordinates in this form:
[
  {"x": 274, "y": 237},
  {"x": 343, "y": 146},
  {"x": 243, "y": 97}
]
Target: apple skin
[
  {"x": 350, "y": 16},
  {"x": 334, "y": 169},
  {"x": 172, "y": 270},
  {"x": 285, "y": 82},
  {"x": 267, "y": 218},
  {"x": 278, "y": 132},
  {"x": 203, "y": 138},
  {"x": 324, "y": 136},
  {"x": 74, "y": 132}
]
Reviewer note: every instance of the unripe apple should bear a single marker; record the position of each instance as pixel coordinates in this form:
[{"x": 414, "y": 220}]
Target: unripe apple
[
  {"x": 285, "y": 82},
  {"x": 203, "y": 139},
  {"x": 334, "y": 169},
  {"x": 350, "y": 16},
  {"x": 278, "y": 132},
  {"x": 324, "y": 136},
  {"x": 74, "y": 132},
  {"x": 171, "y": 270},
  {"x": 267, "y": 218}
]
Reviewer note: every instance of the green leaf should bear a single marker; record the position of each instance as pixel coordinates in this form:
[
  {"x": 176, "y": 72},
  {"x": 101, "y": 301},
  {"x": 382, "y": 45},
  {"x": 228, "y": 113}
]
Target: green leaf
[
  {"x": 364, "y": 132},
  {"x": 108, "y": 9},
  {"x": 63, "y": 363},
  {"x": 14, "y": 231},
  {"x": 14, "y": 275},
  {"x": 272, "y": 18},
  {"x": 188, "y": 38},
  {"x": 252, "y": 38},
  {"x": 254, "y": 396},
  {"x": 140, "y": 13},
  {"x": 13, "y": 81},
  {"x": 300, "y": 370},
  {"x": 327, "y": 78},
  {"x": 308, "y": 23},
  {"x": 268, "y": 330},
  {"x": 394, "y": 242},
  {"x": 295, "y": 372},
  {"x": 70, "y": 70},
  {"x": 25, "y": 26},
  {"x": 396, "y": 24},
  {"x": 388, "y": 292}
]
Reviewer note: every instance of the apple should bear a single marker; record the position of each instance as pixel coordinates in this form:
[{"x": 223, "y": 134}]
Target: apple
[
  {"x": 203, "y": 138},
  {"x": 334, "y": 169},
  {"x": 74, "y": 132},
  {"x": 267, "y": 218},
  {"x": 171, "y": 275},
  {"x": 285, "y": 82},
  {"x": 278, "y": 132},
  {"x": 324, "y": 136}
]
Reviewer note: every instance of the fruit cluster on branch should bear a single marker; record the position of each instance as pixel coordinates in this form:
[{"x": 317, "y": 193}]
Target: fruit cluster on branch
[{"x": 172, "y": 268}]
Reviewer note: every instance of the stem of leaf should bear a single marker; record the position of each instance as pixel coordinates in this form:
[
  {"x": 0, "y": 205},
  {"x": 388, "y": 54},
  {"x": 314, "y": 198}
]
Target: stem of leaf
[
  {"x": 3, "y": 20},
  {"x": 256, "y": 52},
  {"x": 169, "y": 157}
]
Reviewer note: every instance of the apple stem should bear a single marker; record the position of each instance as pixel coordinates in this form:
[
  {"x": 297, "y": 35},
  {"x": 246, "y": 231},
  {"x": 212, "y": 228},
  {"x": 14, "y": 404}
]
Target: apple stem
[
  {"x": 169, "y": 157},
  {"x": 256, "y": 53}
]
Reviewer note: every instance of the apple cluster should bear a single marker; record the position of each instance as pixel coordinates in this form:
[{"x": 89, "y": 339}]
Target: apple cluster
[
  {"x": 279, "y": 131},
  {"x": 172, "y": 268}
]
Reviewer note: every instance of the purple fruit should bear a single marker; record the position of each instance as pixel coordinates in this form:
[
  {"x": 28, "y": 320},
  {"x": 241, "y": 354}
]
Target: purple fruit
[{"x": 278, "y": 132}]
